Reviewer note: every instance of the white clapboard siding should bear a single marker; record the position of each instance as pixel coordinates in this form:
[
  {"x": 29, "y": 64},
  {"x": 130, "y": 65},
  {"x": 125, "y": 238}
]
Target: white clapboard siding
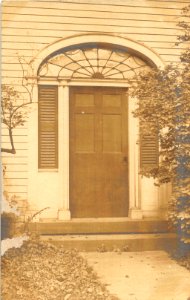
[
  {"x": 16, "y": 175},
  {"x": 61, "y": 33},
  {"x": 19, "y": 196},
  {"x": 18, "y": 146},
  {"x": 16, "y": 130},
  {"x": 12, "y": 74},
  {"x": 102, "y": 6},
  {"x": 16, "y": 181},
  {"x": 29, "y": 26},
  {"x": 17, "y": 139},
  {"x": 63, "y": 20},
  {"x": 16, "y": 189},
  {"x": 32, "y": 39},
  {"x": 160, "y": 43},
  {"x": 161, "y": 24},
  {"x": 19, "y": 153},
  {"x": 91, "y": 27},
  {"x": 137, "y": 3},
  {"x": 13, "y": 168}
]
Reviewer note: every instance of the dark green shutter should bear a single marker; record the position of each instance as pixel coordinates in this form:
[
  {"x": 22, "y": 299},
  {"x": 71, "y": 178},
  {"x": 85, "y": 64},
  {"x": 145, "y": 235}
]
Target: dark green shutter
[
  {"x": 48, "y": 127},
  {"x": 148, "y": 150}
]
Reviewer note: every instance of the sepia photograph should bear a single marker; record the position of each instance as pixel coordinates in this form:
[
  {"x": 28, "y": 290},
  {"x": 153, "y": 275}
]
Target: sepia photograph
[{"x": 95, "y": 149}]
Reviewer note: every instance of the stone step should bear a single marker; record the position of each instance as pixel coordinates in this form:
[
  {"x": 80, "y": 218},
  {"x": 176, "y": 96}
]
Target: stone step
[
  {"x": 103, "y": 226},
  {"x": 114, "y": 242}
]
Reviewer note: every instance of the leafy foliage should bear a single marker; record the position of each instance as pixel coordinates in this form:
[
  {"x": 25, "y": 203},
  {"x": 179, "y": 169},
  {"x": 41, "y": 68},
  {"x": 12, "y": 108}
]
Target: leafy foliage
[
  {"x": 164, "y": 108},
  {"x": 12, "y": 114}
]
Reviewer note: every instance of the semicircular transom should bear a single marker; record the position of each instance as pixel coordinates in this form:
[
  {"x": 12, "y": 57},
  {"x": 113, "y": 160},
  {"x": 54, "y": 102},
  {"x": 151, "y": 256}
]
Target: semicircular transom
[{"x": 90, "y": 61}]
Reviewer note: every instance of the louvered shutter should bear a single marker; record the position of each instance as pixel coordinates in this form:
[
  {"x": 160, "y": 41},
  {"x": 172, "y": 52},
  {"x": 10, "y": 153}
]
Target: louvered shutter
[
  {"x": 48, "y": 127},
  {"x": 148, "y": 150}
]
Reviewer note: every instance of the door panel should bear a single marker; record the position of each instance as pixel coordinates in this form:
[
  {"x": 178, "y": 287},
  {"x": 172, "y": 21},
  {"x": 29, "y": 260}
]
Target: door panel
[
  {"x": 98, "y": 146},
  {"x": 84, "y": 133},
  {"x": 112, "y": 137},
  {"x": 84, "y": 100}
]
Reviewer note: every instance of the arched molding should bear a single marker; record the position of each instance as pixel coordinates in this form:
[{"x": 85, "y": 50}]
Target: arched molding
[{"x": 131, "y": 46}]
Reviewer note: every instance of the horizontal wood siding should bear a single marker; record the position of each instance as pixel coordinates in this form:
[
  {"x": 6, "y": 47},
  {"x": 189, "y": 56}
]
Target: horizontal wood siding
[
  {"x": 29, "y": 26},
  {"x": 43, "y": 22},
  {"x": 16, "y": 173}
]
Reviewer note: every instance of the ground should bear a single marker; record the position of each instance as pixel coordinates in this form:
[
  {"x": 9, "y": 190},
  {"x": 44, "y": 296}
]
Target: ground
[{"x": 41, "y": 271}]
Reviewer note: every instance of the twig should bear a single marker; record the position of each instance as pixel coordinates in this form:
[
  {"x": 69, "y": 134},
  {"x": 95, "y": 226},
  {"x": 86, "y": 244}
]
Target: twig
[{"x": 37, "y": 213}]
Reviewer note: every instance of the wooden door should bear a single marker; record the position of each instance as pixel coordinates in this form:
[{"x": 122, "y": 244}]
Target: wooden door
[{"x": 98, "y": 152}]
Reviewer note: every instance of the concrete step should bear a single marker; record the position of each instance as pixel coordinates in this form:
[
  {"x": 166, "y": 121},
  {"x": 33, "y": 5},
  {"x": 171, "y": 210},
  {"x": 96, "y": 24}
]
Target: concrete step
[
  {"x": 113, "y": 242},
  {"x": 103, "y": 226}
]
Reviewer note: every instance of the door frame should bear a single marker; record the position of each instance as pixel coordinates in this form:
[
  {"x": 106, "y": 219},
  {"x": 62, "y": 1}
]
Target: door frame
[{"x": 133, "y": 126}]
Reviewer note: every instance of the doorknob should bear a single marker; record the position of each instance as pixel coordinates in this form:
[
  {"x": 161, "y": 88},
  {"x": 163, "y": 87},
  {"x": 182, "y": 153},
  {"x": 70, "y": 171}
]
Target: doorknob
[{"x": 125, "y": 160}]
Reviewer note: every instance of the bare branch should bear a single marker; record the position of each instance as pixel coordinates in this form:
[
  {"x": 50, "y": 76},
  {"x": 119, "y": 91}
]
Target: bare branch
[
  {"x": 24, "y": 78},
  {"x": 12, "y": 151},
  {"x": 20, "y": 106},
  {"x": 29, "y": 219},
  {"x": 38, "y": 213}
]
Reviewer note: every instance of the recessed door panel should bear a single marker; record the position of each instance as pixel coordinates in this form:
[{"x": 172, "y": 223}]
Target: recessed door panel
[
  {"x": 84, "y": 133},
  {"x": 112, "y": 133}
]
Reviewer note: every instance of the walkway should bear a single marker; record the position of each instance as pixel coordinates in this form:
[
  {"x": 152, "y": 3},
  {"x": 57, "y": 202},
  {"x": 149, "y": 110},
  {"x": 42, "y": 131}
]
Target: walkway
[{"x": 149, "y": 275}]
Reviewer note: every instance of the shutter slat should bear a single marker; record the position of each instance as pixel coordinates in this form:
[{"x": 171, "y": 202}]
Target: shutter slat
[{"x": 48, "y": 127}]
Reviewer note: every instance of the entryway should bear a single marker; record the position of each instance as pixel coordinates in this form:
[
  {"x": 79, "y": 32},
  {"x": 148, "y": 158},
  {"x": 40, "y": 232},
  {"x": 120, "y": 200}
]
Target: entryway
[{"x": 98, "y": 152}]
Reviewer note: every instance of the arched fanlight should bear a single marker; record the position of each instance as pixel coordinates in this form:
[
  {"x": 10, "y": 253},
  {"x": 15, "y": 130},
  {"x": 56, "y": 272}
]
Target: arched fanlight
[{"x": 93, "y": 61}]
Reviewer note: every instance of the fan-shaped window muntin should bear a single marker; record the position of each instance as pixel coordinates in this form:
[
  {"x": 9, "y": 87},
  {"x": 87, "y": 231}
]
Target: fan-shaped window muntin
[{"x": 93, "y": 61}]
